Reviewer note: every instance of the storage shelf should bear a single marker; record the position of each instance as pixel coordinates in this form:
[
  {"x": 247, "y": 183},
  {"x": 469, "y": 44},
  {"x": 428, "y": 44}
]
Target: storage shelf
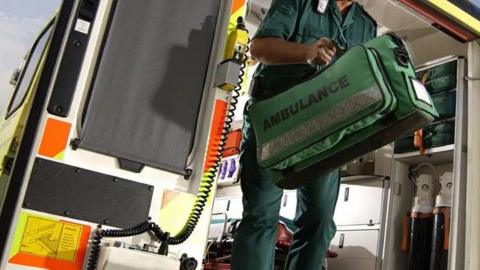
[
  {"x": 354, "y": 178},
  {"x": 364, "y": 227},
  {"x": 437, "y": 155}
]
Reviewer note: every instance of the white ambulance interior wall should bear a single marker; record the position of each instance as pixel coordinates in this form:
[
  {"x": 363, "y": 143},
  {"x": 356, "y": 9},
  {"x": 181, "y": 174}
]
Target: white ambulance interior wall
[
  {"x": 402, "y": 193},
  {"x": 426, "y": 43},
  {"x": 472, "y": 245}
]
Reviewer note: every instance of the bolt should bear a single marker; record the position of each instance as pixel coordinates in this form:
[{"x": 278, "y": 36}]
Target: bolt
[
  {"x": 66, "y": 213},
  {"x": 74, "y": 144},
  {"x": 115, "y": 180},
  {"x": 106, "y": 221},
  {"x": 150, "y": 188},
  {"x": 14, "y": 146},
  {"x": 188, "y": 173},
  {"x": 77, "y": 43},
  {"x": 77, "y": 170},
  {"x": 27, "y": 204},
  {"x": 9, "y": 164},
  {"x": 57, "y": 109}
]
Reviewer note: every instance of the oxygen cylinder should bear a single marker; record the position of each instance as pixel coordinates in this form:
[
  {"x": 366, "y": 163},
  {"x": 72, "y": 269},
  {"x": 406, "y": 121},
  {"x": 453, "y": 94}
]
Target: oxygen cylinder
[
  {"x": 441, "y": 224},
  {"x": 421, "y": 224}
]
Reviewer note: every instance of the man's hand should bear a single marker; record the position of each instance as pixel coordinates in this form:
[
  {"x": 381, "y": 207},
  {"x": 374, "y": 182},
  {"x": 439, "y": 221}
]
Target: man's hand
[
  {"x": 321, "y": 52},
  {"x": 276, "y": 51}
]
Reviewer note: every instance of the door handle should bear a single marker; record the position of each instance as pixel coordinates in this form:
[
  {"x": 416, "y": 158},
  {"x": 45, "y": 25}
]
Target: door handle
[{"x": 346, "y": 195}]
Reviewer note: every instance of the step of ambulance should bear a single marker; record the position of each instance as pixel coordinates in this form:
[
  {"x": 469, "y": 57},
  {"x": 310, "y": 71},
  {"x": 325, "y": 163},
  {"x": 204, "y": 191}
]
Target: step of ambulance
[
  {"x": 440, "y": 78},
  {"x": 356, "y": 249},
  {"x": 359, "y": 204}
]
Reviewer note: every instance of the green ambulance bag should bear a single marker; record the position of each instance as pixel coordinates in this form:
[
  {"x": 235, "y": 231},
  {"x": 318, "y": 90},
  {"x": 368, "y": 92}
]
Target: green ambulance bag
[{"x": 368, "y": 98}]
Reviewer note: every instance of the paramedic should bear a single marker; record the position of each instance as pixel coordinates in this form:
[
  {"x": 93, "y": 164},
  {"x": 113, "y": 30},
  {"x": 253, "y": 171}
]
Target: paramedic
[{"x": 296, "y": 37}]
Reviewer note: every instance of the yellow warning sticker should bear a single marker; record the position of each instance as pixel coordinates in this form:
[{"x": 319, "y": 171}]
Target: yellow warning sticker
[{"x": 50, "y": 238}]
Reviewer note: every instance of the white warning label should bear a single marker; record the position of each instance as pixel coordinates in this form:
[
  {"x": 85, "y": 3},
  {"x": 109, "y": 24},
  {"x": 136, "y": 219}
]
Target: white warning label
[{"x": 82, "y": 26}]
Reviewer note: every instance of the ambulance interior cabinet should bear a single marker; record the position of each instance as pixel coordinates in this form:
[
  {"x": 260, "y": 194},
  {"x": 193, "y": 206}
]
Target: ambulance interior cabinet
[
  {"x": 446, "y": 151},
  {"x": 356, "y": 249},
  {"x": 360, "y": 216}
]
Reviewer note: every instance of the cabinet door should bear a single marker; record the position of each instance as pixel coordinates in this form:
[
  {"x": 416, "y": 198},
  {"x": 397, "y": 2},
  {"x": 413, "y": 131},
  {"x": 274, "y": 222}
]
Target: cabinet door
[
  {"x": 231, "y": 205},
  {"x": 356, "y": 250},
  {"x": 289, "y": 204},
  {"x": 220, "y": 206},
  {"x": 234, "y": 208},
  {"x": 359, "y": 204}
]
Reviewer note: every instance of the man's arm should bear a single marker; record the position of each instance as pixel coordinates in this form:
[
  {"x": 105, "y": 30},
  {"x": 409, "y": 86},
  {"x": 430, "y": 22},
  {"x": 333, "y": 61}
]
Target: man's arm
[
  {"x": 271, "y": 46},
  {"x": 277, "y": 51}
]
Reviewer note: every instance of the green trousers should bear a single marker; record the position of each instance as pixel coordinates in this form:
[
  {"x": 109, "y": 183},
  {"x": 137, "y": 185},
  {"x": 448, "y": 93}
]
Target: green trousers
[{"x": 254, "y": 243}]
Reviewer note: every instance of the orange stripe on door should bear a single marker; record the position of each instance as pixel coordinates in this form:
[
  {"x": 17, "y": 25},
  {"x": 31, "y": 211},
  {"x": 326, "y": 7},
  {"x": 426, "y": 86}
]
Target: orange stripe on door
[
  {"x": 55, "y": 138},
  {"x": 236, "y": 5},
  {"x": 216, "y": 131}
]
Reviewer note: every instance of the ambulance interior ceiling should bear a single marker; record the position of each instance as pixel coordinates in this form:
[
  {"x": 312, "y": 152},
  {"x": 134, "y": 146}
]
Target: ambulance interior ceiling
[{"x": 426, "y": 42}]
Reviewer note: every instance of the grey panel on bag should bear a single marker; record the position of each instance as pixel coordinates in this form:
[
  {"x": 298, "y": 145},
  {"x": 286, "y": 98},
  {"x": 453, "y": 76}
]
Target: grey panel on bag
[
  {"x": 147, "y": 90},
  {"x": 65, "y": 190}
]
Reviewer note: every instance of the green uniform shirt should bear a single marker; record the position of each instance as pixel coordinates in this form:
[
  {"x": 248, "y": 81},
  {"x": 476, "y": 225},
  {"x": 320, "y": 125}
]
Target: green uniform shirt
[{"x": 298, "y": 21}]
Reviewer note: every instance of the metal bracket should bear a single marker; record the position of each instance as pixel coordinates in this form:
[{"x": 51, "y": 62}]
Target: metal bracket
[
  {"x": 227, "y": 75},
  {"x": 472, "y": 79}
]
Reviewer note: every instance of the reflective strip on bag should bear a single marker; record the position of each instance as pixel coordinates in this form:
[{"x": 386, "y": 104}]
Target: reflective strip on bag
[{"x": 322, "y": 122}]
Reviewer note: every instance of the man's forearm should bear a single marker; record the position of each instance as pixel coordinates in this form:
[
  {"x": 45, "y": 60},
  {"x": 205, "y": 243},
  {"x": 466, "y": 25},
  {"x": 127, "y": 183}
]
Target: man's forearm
[{"x": 276, "y": 51}]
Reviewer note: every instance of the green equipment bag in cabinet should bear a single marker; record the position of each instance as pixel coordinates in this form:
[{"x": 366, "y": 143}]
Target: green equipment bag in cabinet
[
  {"x": 367, "y": 98},
  {"x": 404, "y": 145},
  {"x": 439, "y": 134},
  {"x": 434, "y": 135},
  {"x": 445, "y": 103},
  {"x": 440, "y": 78}
]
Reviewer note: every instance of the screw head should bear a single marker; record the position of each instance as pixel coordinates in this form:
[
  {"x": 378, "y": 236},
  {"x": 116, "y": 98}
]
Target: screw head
[
  {"x": 66, "y": 213},
  {"x": 115, "y": 180},
  {"x": 9, "y": 164},
  {"x": 57, "y": 109},
  {"x": 150, "y": 188},
  {"x": 15, "y": 144},
  {"x": 106, "y": 221}
]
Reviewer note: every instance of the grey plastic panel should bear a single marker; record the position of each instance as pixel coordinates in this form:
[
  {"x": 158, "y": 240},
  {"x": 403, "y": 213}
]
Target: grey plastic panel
[
  {"x": 147, "y": 90},
  {"x": 65, "y": 190}
]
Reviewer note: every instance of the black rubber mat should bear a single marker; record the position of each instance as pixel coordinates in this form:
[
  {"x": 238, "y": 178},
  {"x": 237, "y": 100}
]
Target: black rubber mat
[
  {"x": 73, "y": 192},
  {"x": 147, "y": 90}
]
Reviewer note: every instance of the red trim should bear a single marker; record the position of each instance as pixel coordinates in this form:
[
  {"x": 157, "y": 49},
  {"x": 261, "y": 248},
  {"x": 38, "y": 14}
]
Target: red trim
[{"x": 441, "y": 20}]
